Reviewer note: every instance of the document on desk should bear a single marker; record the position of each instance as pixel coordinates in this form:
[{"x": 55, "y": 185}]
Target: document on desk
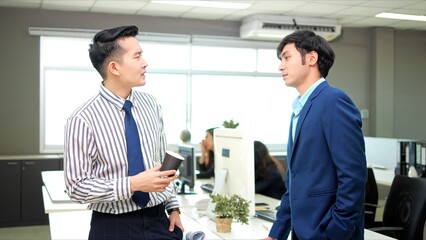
[
  {"x": 194, "y": 230},
  {"x": 194, "y": 235}
]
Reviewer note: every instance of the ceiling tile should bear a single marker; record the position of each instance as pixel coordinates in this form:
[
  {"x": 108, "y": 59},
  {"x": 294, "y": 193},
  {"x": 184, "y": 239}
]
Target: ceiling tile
[
  {"x": 346, "y": 20},
  {"x": 211, "y": 10},
  {"x": 362, "y": 11},
  {"x": 277, "y": 5},
  {"x": 409, "y": 11},
  {"x": 387, "y": 4},
  {"x": 166, "y": 7},
  {"x": 420, "y": 5},
  {"x": 78, "y": 5},
  {"x": 346, "y": 2},
  {"x": 200, "y": 15},
  {"x": 240, "y": 14},
  {"x": 125, "y": 7},
  {"x": 319, "y": 9},
  {"x": 158, "y": 13}
]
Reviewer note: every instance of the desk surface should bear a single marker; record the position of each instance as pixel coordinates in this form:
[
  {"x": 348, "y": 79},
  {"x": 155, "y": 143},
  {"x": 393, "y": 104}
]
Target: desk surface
[
  {"x": 384, "y": 176},
  {"x": 64, "y": 216}
]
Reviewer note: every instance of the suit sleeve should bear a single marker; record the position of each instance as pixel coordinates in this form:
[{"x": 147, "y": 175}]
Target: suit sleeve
[
  {"x": 281, "y": 227},
  {"x": 342, "y": 129}
]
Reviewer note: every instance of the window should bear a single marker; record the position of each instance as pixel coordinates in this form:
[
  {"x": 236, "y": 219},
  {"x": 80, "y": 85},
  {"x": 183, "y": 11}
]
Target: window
[
  {"x": 170, "y": 91},
  {"x": 223, "y": 59},
  {"x": 198, "y": 86},
  {"x": 64, "y": 92}
]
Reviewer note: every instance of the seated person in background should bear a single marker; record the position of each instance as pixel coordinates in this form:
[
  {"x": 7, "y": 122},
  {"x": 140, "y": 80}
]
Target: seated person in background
[
  {"x": 269, "y": 173},
  {"x": 206, "y": 161}
]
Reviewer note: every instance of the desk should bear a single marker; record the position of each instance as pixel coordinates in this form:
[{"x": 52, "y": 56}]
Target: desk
[
  {"x": 384, "y": 176},
  {"x": 69, "y": 220},
  {"x": 257, "y": 228}
]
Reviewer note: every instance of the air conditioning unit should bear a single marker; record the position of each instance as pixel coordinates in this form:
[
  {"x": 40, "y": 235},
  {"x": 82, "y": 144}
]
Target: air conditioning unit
[{"x": 270, "y": 27}]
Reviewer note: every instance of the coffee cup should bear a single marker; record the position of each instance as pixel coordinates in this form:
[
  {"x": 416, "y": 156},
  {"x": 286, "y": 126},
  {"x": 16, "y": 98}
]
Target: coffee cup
[{"x": 171, "y": 161}]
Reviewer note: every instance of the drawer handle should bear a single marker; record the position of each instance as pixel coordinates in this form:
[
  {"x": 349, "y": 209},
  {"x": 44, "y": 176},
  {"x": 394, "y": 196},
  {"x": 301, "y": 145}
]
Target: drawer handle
[
  {"x": 30, "y": 163},
  {"x": 12, "y": 163}
]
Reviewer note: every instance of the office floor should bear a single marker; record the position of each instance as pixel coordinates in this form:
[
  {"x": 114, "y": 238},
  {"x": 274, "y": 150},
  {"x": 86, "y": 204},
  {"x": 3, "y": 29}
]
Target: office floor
[
  {"x": 379, "y": 210},
  {"x": 41, "y": 232}
]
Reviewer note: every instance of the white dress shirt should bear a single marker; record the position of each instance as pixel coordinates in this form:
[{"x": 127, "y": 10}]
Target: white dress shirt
[{"x": 95, "y": 155}]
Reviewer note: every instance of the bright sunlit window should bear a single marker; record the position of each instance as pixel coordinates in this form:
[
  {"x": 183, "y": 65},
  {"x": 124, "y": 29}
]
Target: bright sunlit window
[
  {"x": 198, "y": 87},
  {"x": 170, "y": 91},
  {"x": 223, "y": 59},
  {"x": 65, "y": 90}
]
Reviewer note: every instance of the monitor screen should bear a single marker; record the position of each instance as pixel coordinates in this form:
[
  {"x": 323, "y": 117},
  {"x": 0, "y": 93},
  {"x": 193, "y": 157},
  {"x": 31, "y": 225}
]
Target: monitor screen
[
  {"x": 234, "y": 164},
  {"x": 187, "y": 169}
]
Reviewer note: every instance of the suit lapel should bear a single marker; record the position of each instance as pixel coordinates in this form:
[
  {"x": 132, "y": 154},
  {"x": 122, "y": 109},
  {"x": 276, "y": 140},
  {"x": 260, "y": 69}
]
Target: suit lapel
[
  {"x": 290, "y": 138},
  {"x": 302, "y": 116}
]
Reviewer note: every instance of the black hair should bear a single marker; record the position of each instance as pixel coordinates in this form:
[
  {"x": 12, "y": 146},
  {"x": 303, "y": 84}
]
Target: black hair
[
  {"x": 104, "y": 46},
  {"x": 307, "y": 41},
  {"x": 211, "y": 130},
  {"x": 261, "y": 158},
  {"x": 263, "y": 161}
]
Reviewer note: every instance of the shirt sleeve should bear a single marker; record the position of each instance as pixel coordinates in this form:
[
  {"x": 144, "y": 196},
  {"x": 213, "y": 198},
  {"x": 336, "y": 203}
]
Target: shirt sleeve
[{"x": 82, "y": 185}]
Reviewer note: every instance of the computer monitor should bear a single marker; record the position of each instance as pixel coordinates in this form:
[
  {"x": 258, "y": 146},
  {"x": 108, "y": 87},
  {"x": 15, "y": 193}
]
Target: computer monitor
[
  {"x": 234, "y": 165},
  {"x": 187, "y": 169}
]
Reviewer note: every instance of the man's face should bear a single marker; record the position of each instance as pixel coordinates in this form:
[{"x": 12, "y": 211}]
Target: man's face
[
  {"x": 293, "y": 69},
  {"x": 132, "y": 65}
]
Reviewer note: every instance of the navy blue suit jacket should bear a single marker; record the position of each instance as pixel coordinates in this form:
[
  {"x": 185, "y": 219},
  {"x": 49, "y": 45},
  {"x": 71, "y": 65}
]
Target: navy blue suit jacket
[{"x": 326, "y": 171}]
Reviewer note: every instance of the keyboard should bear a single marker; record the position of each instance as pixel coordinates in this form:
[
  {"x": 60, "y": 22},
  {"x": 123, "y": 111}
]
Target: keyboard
[
  {"x": 208, "y": 187},
  {"x": 268, "y": 215}
]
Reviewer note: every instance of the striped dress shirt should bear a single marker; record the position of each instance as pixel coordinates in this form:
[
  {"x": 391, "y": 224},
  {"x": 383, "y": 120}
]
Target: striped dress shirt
[{"x": 95, "y": 155}]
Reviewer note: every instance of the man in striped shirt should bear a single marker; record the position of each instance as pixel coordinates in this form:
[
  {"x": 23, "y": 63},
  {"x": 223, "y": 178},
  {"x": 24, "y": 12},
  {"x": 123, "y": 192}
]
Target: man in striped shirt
[{"x": 95, "y": 154}]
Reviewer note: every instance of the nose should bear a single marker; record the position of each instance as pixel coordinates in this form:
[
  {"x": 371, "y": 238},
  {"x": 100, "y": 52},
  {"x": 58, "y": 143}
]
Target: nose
[
  {"x": 281, "y": 66},
  {"x": 144, "y": 63}
]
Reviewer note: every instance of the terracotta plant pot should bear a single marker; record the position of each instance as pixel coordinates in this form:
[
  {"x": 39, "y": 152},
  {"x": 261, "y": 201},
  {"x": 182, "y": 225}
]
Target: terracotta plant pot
[{"x": 223, "y": 225}]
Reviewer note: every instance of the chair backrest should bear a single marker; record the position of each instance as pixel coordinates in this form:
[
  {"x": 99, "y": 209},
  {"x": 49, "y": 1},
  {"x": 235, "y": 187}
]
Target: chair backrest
[
  {"x": 372, "y": 198},
  {"x": 406, "y": 207}
]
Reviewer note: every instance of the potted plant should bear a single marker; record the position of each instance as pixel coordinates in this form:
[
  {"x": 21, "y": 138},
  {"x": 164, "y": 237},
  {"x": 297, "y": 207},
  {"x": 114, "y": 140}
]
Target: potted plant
[
  {"x": 228, "y": 209},
  {"x": 230, "y": 124}
]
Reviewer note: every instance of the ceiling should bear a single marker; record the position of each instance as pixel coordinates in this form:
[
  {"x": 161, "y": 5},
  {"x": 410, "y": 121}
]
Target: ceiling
[{"x": 348, "y": 13}]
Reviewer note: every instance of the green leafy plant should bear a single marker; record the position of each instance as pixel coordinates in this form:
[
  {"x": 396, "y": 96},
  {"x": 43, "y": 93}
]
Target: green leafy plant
[
  {"x": 234, "y": 207},
  {"x": 230, "y": 124}
]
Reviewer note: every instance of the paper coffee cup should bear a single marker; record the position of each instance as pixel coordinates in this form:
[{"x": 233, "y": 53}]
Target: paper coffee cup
[{"x": 171, "y": 160}]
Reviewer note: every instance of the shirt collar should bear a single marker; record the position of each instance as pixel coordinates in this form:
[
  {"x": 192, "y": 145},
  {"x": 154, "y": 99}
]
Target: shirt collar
[
  {"x": 300, "y": 101},
  {"x": 113, "y": 98}
]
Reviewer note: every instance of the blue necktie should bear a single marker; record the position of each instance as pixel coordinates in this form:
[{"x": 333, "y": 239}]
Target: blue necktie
[{"x": 134, "y": 153}]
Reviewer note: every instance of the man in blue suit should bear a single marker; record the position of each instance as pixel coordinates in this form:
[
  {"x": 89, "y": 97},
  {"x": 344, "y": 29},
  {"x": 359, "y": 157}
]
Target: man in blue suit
[{"x": 325, "y": 155}]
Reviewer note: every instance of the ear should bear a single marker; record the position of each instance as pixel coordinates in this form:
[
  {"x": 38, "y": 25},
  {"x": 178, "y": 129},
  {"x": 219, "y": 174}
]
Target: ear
[
  {"x": 113, "y": 68},
  {"x": 312, "y": 58}
]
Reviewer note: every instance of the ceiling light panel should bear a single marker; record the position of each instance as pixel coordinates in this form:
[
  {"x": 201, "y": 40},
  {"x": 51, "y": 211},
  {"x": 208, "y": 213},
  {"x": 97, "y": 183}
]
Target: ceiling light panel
[
  {"x": 210, "y": 4},
  {"x": 401, "y": 16}
]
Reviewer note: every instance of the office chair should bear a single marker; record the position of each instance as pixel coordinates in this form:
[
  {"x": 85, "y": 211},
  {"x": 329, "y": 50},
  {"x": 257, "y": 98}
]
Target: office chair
[
  {"x": 371, "y": 199},
  {"x": 404, "y": 214}
]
